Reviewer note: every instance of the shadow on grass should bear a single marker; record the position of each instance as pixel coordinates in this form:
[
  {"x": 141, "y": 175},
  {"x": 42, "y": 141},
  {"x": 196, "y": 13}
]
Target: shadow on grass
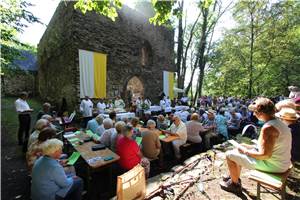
[{"x": 15, "y": 182}]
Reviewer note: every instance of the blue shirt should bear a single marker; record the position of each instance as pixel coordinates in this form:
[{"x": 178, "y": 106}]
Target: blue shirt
[
  {"x": 92, "y": 125},
  {"x": 221, "y": 122},
  {"x": 49, "y": 179}
]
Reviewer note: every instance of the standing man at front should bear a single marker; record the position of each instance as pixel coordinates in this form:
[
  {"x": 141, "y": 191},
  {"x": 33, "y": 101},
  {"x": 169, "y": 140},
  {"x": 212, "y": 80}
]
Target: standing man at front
[
  {"x": 86, "y": 108},
  {"x": 24, "y": 112}
]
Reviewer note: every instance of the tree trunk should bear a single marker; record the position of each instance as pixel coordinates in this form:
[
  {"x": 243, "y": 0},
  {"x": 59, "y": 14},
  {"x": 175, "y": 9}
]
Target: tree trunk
[
  {"x": 202, "y": 47},
  {"x": 251, "y": 57},
  {"x": 196, "y": 94},
  {"x": 179, "y": 45},
  {"x": 183, "y": 66},
  {"x": 192, "y": 77}
]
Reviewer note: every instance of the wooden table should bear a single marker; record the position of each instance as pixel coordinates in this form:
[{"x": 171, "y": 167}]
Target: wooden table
[
  {"x": 87, "y": 153},
  {"x": 169, "y": 138}
]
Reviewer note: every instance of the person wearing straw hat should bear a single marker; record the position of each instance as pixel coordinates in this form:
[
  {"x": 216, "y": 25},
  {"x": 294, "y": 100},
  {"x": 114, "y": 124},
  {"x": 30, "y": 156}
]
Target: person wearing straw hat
[
  {"x": 272, "y": 153},
  {"x": 286, "y": 103},
  {"x": 290, "y": 117}
]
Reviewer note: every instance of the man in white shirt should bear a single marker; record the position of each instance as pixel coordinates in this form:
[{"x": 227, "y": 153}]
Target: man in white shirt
[
  {"x": 86, "y": 108},
  {"x": 119, "y": 103},
  {"x": 178, "y": 128},
  {"x": 162, "y": 104},
  {"x": 138, "y": 104},
  {"x": 101, "y": 106},
  {"x": 147, "y": 102},
  {"x": 24, "y": 112}
]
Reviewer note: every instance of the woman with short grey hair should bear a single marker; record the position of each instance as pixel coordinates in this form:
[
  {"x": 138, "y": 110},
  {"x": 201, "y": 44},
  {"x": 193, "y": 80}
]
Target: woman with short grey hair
[
  {"x": 95, "y": 123},
  {"x": 49, "y": 180},
  {"x": 40, "y": 124},
  {"x": 151, "y": 123},
  {"x": 101, "y": 128},
  {"x": 108, "y": 134}
]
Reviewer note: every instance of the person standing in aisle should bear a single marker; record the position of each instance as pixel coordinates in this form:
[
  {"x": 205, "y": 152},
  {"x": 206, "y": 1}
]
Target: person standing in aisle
[
  {"x": 86, "y": 108},
  {"x": 24, "y": 112}
]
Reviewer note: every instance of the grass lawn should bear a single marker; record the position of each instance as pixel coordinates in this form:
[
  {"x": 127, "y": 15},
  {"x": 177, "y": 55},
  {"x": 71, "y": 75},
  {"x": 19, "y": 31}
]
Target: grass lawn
[
  {"x": 9, "y": 117},
  {"x": 15, "y": 183}
]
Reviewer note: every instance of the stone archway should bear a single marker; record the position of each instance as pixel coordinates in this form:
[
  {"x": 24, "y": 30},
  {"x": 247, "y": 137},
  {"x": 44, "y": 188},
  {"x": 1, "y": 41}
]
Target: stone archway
[{"x": 134, "y": 88}]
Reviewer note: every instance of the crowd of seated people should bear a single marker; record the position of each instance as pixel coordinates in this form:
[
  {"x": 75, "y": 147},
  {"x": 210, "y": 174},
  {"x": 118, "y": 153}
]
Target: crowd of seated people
[
  {"x": 51, "y": 177},
  {"x": 215, "y": 121}
]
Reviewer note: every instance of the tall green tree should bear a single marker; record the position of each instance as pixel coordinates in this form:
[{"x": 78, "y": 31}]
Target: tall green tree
[
  {"x": 260, "y": 56},
  {"x": 14, "y": 18},
  {"x": 211, "y": 12}
]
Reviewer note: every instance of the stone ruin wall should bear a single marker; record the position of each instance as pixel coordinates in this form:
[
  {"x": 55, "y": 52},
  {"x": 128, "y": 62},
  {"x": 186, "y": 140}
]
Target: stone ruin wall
[
  {"x": 121, "y": 40},
  {"x": 56, "y": 74}
]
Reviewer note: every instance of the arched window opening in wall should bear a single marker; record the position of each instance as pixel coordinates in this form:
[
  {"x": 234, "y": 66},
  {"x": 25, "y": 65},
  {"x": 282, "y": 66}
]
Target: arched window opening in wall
[
  {"x": 135, "y": 88},
  {"x": 146, "y": 54}
]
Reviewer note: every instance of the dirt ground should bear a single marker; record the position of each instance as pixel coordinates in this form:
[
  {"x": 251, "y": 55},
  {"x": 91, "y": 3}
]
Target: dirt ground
[
  {"x": 208, "y": 185},
  {"x": 15, "y": 182}
]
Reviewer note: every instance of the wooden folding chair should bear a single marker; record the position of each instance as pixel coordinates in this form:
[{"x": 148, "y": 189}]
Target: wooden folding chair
[
  {"x": 132, "y": 184},
  {"x": 271, "y": 182}
]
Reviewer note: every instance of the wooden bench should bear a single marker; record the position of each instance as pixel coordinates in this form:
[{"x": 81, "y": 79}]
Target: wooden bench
[
  {"x": 189, "y": 149},
  {"x": 271, "y": 182}
]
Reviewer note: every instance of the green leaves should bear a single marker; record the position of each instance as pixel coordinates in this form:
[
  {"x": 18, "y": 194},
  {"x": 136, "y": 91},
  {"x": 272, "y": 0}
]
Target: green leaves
[
  {"x": 14, "y": 18},
  {"x": 107, "y": 8},
  {"x": 163, "y": 11},
  {"x": 276, "y": 50}
]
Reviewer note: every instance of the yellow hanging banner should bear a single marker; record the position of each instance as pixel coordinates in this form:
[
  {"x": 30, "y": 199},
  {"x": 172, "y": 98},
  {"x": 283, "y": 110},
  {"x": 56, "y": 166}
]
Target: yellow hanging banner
[{"x": 100, "y": 75}]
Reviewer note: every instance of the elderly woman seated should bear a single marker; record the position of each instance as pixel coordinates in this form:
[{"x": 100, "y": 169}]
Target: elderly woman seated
[
  {"x": 45, "y": 111},
  {"x": 52, "y": 123},
  {"x": 40, "y": 125},
  {"x": 108, "y": 133},
  {"x": 272, "y": 154},
  {"x": 129, "y": 152},
  {"x": 150, "y": 141},
  {"x": 49, "y": 180},
  {"x": 35, "y": 149},
  {"x": 194, "y": 128},
  {"x": 95, "y": 125}
]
